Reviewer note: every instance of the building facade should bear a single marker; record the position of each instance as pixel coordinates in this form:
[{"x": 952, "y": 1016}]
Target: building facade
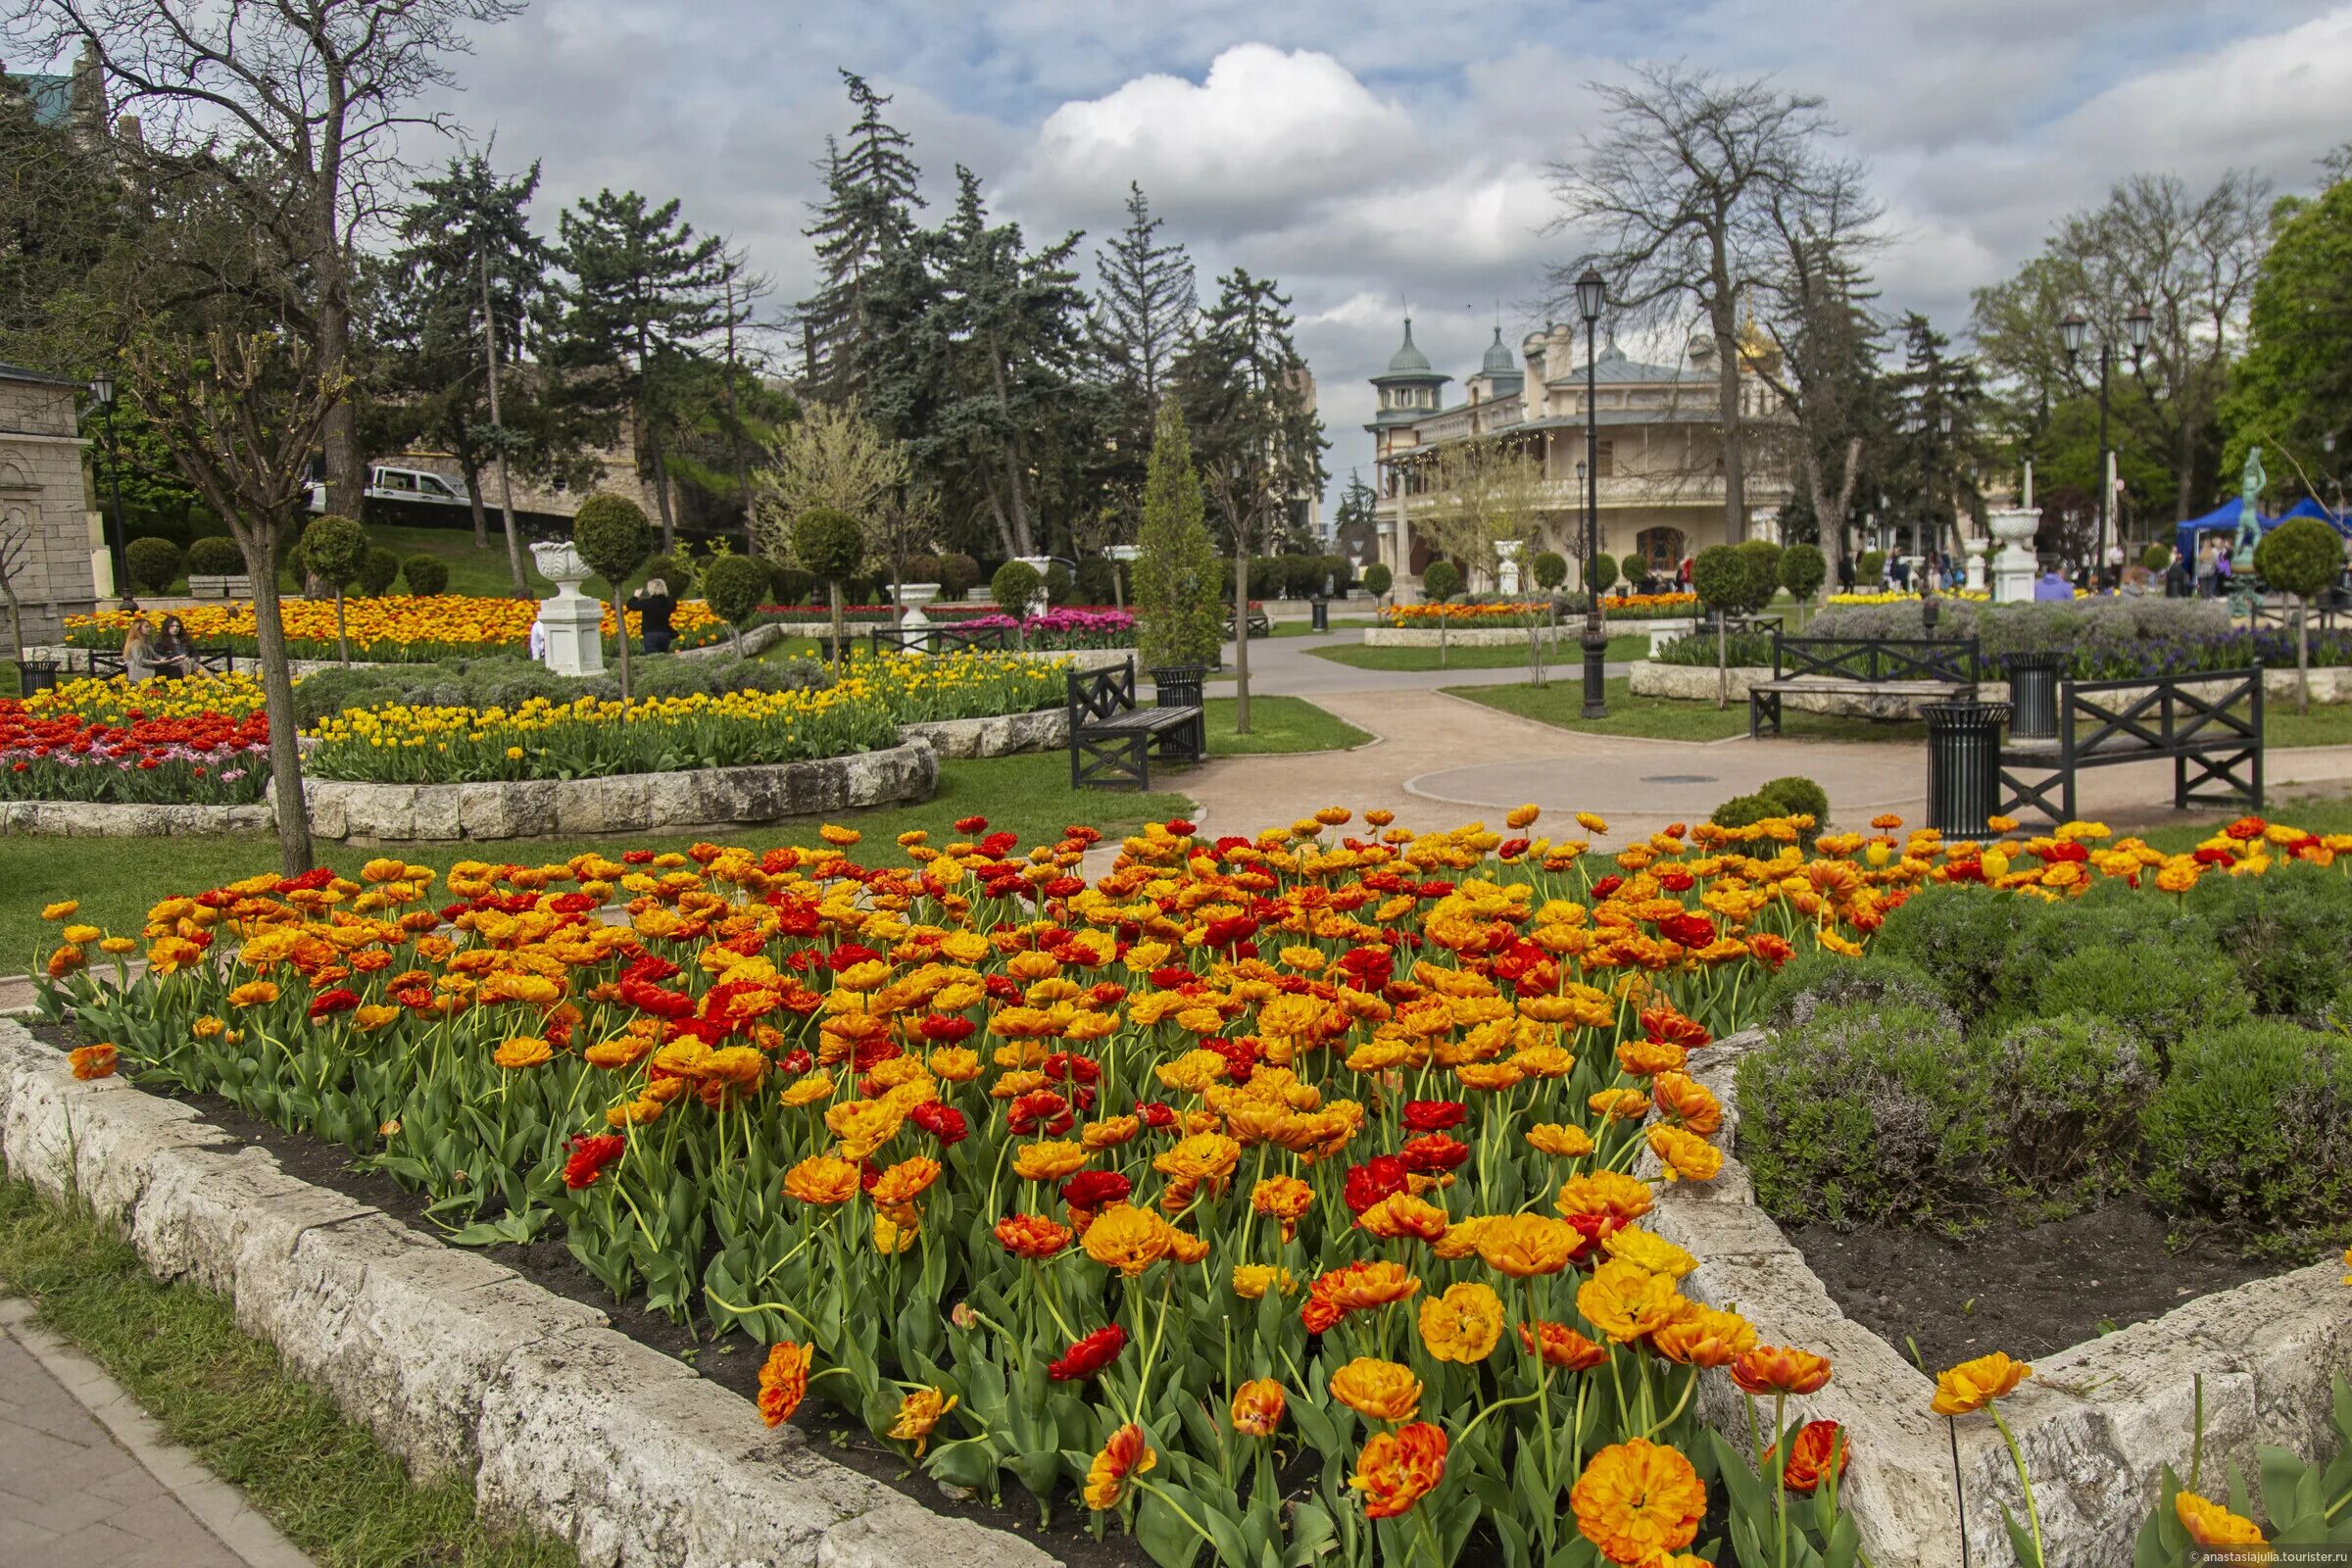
[
  {"x": 1659, "y": 452},
  {"x": 47, "y": 538}
]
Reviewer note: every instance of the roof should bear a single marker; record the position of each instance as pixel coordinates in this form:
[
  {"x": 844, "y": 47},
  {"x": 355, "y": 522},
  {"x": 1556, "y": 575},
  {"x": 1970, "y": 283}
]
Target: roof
[
  {"x": 18, "y": 373},
  {"x": 1408, "y": 360},
  {"x": 1613, "y": 368},
  {"x": 1500, "y": 360},
  {"x": 52, "y": 96}
]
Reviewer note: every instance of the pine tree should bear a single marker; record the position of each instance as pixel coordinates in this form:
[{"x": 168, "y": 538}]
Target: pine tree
[
  {"x": 1355, "y": 523},
  {"x": 646, "y": 296},
  {"x": 1937, "y": 465},
  {"x": 1144, "y": 312},
  {"x": 870, "y": 197},
  {"x": 1176, "y": 575}
]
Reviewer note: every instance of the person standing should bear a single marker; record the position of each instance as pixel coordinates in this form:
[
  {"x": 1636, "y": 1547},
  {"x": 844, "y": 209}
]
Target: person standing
[
  {"x": 1846, "y": 574},
  {"x": 654, "y": 608},
  {"x": 2114, "y": 574}
]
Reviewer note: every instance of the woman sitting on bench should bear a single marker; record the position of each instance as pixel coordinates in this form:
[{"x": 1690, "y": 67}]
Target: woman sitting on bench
[
  {"x": 138, "y": 651},
  {"x": 175, "y": 654}
]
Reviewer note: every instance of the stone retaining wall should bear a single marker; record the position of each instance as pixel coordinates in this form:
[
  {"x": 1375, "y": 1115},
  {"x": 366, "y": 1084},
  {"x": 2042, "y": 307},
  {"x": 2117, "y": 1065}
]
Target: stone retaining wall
[
  {"x": 1570, "y": 629},
  {"x": 1045, "y": 730},
  {"x": 2098, "y": 1421},
  {"x": 458, "y": 1364},
  {"x": 1694, "y": 683},
  {"x": 625, "y": 802},
  {"x": 100, "y": 819}
]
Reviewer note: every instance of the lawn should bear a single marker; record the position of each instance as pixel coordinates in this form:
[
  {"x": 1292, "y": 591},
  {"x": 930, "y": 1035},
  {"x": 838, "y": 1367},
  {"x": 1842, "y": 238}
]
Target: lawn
[
  {"x": 1622, "y": 650},
  {"x": 1277, "y": 724},
  {"x": 323, "y": 1481},
  {"x": 117, "y": 879},
  {"x": 1307, "y": 628},
  {"x": 2313, "y": 813},
  {"x": 1668, "y": 718}
]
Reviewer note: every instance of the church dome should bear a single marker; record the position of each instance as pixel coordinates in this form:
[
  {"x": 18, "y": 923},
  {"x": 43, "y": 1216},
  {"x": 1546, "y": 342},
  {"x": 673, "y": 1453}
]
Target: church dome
[{"x": 1408, "y": 360}]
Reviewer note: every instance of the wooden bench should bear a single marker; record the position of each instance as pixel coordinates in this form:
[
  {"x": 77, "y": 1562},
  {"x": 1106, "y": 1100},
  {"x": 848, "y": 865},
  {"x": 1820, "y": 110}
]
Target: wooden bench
[
  {"x": 101, "y": 663},
  {"x": 2209, "y": 726},
  {"x": 1112, "y": 741},
  {"x": 1261, "y": 625},
  {"x": 234, "y": 586},
  {"x": 1900, "y": 669},
  {"x": 943, "y": 637}
]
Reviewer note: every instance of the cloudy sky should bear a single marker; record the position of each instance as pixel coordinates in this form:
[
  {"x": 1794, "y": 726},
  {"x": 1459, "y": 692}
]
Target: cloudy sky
[{"x": 1373, "y": 153}]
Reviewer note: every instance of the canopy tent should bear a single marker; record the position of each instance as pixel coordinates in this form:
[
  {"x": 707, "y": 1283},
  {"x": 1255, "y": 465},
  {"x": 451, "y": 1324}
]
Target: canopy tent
[
  {"x": 2223, "y": 518},
  {"x": 2340, "y": 521}
]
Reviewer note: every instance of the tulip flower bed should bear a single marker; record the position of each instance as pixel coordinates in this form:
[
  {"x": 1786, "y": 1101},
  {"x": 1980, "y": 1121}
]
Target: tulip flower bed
[
  {"x": 1532, "y": 612},
  {"x": 399, "y": 628},
  {"x": 1278, "y": 1196},
  {"x": 196, "y": 742}
]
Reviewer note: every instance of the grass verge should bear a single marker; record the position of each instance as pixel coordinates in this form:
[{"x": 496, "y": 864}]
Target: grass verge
[
  {"x": 117, "y": 880},
  {"x": 1277, "y": 724},
  {"x": 1672, "y": 718},
  {"x": 324, "y": 1482},
  {"x": 1307, "y": 628},
  {"x": 1622, "y": 650}
]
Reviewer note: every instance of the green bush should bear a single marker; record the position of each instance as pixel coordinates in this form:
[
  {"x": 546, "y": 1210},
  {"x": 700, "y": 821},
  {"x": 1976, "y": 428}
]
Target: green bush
[
  {"x": 2158, "y": 991},
  {"x": 1719, "y": 574},
  {"x": 1869, "y": 1113},
  {"x": 506, "y": 680},
  {"x": 379, "y": 569},
  {"x": 1971, "y": 941},
  {"x": 2302, "y": 556},
  {"x": 1760, "y": 559},
  {"x": 2287, "y": 932},
  {"x": 1798, "y": 795},
  {"x": 1015, "y": 588},
  {"x": 1870, "y": 571},
  {"x": 1093, "y": 581},
  {"x": 1550, "y": 569},
  {"x": 427, "y": 575},
  {"x": 1818, "y": 979},
  {"x": 334, "y": 549},
  {"x": 1441, "y": 581},
  {"x": 1378, "y": 579},
  {"x": 828, "y": 543},
  {"x": 2252, "y": 1134},
  {"x": 1803, "y": 569},
  {"x": 2067, "y": 1090},
  {"x": 2156, "y": 558},
  {"x": 958, "y": 574},
  {"x": 1606, "y": 570},
  {"x": 733, "y": 587},
  {"x": 919, "y": 569},
  {"x": 1059, "y": 583},
  {"x": 215, "y": 557},
  {"x": 792, "y": 586},
  {"x": 152, "y": 564},
  {"x": 612, "y": 535},
  {"x": 1743, "y": 810}
]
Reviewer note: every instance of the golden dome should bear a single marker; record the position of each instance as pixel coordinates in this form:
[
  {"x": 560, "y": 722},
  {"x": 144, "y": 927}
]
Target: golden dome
[{"x": 1755, "y": 346}]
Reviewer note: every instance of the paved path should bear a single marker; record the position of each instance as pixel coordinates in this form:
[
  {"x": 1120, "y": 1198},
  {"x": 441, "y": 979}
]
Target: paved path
[{"x": 89, "y": 1481}]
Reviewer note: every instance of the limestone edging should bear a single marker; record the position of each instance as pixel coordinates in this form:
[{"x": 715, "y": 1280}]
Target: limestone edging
[{"x": 459, "y": 1363}]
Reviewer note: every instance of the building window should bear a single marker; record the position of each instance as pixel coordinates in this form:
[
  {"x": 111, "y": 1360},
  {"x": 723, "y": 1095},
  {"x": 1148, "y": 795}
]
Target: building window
[{"x": 1605, "y": 459}]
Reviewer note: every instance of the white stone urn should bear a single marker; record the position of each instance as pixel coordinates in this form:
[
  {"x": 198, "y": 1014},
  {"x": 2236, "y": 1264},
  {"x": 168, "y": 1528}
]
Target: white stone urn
[
  {"x": 573, "y": 622},
  {"x": 1507, "y": 570},
  {"x": 1041, "y": 565},
  {"x": 913, "y": 597},
  {"x": 2013, "y": 565}
]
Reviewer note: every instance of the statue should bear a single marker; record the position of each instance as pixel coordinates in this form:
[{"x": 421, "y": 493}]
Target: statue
[{"x": 2249, "y": 507}]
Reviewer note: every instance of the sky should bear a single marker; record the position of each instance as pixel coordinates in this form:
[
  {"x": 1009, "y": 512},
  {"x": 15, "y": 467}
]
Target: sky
[{"x": 1371, "y": 155}]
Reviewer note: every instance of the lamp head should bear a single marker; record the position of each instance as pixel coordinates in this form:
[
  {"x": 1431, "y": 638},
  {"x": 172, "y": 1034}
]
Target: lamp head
[
  {"x": 2137, "y": 326},
  {"x": 1591, "y": 294},
  {"x": 2070, "y": 333},
  {"x": 101, "y": 387}
]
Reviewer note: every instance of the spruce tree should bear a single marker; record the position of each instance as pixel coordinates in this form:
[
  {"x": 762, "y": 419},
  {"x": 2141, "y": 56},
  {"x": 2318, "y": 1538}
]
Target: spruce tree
[
  {"x": 1176, "y": 589},
  {"x": 1144, "y": 312},
  {"x": 870, "y": 197}
]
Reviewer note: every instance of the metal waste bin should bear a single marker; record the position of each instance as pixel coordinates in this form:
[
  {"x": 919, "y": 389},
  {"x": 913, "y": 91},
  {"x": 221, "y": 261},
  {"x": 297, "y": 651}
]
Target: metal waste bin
[
  {"x": 1178, "y": 686},
  {"x": 2034, "y": 695},
  {"x": 1322, "y": 612},
  {"x": 1964, "y": 765},
  {"x": 37, "y": 675}
]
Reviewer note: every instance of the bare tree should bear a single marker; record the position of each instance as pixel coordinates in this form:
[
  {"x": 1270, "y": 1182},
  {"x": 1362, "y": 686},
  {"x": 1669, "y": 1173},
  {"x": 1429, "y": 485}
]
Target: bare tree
[
  {"x": 16, "y": 552},
  {"x": 241, "y": 412},
  {"x": 302, "y": 100},
  {"x": 1673, "y": 205}
]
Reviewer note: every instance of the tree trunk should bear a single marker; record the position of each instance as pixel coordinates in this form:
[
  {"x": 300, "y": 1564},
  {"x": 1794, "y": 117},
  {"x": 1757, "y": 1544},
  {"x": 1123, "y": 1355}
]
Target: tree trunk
[
  {"x": 474, "y": 502},
  {"x": 670, "y": 526},
  {"x": 2302, "y": 656},
  {"x": 621, "y": 627},
  {"x": 1726, "y": 326},
  {"x": 840, "y": 648},
  {"x": 342, "y": 639},
  {"x": 16, "y": 619},
  {"x": 277, "y": 701},
  {"x": 1723, "y": 668},
  {"x": 1240, "y": 630},
  {"x": 505, "y": 480}
]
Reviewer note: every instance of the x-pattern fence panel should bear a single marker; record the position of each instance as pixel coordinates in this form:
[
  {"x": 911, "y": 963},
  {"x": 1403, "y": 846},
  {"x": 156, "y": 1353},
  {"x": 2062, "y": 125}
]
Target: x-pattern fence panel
[
  {"x": 2208, "y": 725},
  {"x": 1877, "y": 659}
]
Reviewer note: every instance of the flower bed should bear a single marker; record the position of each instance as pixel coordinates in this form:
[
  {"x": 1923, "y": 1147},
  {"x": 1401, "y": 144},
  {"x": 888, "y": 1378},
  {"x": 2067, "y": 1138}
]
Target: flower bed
[
  {"x": 1325, "y": 1136},
  {"x": 195, "y": 742},
  {"x": 399, "y": 628},
  {"x": 1057, "y": 630},
  {"x": 1535, "y": 613}
]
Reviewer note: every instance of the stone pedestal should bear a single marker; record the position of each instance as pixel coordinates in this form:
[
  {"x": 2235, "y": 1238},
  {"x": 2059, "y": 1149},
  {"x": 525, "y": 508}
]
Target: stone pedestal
[
  {"x": 1507, "y": 572},
  {"x": 2012, "y": 564},
  {"x": 1041, "y": 565},
  {"x": 573, "y": 621},
  {"x": 913, "y": 597}
]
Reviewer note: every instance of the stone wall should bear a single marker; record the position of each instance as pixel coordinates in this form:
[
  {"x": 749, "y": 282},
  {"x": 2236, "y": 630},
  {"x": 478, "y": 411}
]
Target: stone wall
[
  {"x": 42, "y": 498},
  {"x": 1045, "y": 730},
  {"x": 1571, "y": 627}
]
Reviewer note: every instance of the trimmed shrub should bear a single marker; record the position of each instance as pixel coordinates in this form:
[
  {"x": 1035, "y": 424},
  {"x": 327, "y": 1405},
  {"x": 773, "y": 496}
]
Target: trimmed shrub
[
  {"x": 1015, "y": 588},
  {"x": 1798, "y": 795},
  {"x": 2252, "y": 1133},
  {"x": 733, "y": 586},
  {"x": 1441, "y": 581},
  {"x": 1550, "y": 568},
  {"x": 2302, "y": 556},
  {"x": 792, "y": 586},
  {"x": 1606, "y": 570},
  {"x": 335, "y": 549},
  {"x": 1812, "y": 981},
  {"x": 828, "y": 543},
  {"x": 152, "y": 564},
  {"x": 378, "y": 572},
  {"x": 2068, "y": 1094},
  {"x": 1378, "y": 579},
  {"x": 1093, "y": 581},
  {"x": 2160, "y": 994},
  {"x": 427, "y": 575},
  {"x": 2286, "y": 933},
  {"x": 919, "y": 569},
  {"x": 1965, "y": 939},
  {"x": 958, "y": 574},
  {"x": 612, "y": 535},
  {"x": 1719, "y": 574},
  {"x": 214, "y": 556},
  {"x": 2156, "y": 558},
  {"x": 1743, "y": 810},
  {"x": 1870, "y": 571},
  {"x": 1059, "y": 583},
  {"x": 1803, "y": 569},
  {"x": 1760, "y": 559},
  {"x": 1869, "y": 1113}
]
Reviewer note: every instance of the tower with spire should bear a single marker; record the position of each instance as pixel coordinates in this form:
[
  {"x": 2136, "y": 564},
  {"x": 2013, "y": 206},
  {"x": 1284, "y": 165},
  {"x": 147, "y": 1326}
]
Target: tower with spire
[{"x": 1408, "y": 388}]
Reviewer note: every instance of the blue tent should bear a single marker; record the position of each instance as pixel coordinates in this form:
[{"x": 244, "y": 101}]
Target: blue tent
[
  {"x": 2222, "y": 519},
  {"x": 2340, "y": 521}
]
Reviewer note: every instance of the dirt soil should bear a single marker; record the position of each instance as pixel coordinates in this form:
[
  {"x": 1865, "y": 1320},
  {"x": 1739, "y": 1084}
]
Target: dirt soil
[
  {"x": 2028, "y": 1292},
  {"x": 732, "y": 1361}
]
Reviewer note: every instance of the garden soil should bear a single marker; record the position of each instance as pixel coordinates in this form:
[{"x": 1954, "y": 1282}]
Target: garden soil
[{"x": 2028, "y": 1291}]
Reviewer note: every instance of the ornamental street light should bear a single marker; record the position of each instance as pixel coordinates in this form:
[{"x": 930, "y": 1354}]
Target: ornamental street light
[
  {"x": 2071, "y": 333},
  {"x": 102, "y": 388},
  {"x": 1591, "y": 295}
]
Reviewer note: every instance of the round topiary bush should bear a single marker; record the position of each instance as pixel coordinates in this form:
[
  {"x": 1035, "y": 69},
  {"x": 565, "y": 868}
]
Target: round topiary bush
[
  {"x": 791, "y": 585},
  {"x": 958, "y": 574},
  {"x": 1378, "y": 579},
  {"x": 919, "y": 569},
  {"x": 1058, "y": 584},
  {"x": 1803, "y": 569},
  {"x": 1973, "y": 941},
  {"x": 426, "y": 575},
  {"x": 611, "y": 534},
  {"x": 2069, "y": 1091},
  {"x": 1870, "y": 571},
  {"x": 1798, "y": 795},
  {"x": 2248, "y": 1135},
  {"x": 2302, "y": 556},
  {"x": 1015, "y": 588},
  {"x": 828, "y": 543},
  {"x": 1606, "y": 570},
  {"x": 1745, "y": 810},
  {"x": 1761, "y": 560},
  {"x": 1719, "y": 575},
  {"x": 215, "y": 557},
  {"x": 334, "y": 549},
  {"x": 2156, "y": 558},
  {"x": 379, "y": 569},
  {"x": 733, "y": 586},
  {"x": 1550, "y": 569},
  {"x": 152, "y": 564},
  {"x": 1441, "y": 581}
]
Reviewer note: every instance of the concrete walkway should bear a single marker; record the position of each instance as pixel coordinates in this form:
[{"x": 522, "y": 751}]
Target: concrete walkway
[{"x": 87, "y": 1480}]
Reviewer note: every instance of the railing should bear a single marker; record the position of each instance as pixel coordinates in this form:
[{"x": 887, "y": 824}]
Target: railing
[{"x": 1954, "y": 661}]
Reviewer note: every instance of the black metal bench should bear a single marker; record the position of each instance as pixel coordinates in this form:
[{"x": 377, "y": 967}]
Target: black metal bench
[
  {"x": 1901, "y": 669},
  {"x": 1259, "y": 624},
  {"x": 2209, "y": 726},
  {"x": 943, "y": 637},
  {"x": 100, "y": 662},
  {"x": 1112, "y": 741}
]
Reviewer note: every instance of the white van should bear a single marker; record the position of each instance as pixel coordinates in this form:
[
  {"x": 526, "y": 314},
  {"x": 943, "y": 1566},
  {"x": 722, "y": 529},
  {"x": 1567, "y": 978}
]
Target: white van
[{"x": 402, "y": 487}]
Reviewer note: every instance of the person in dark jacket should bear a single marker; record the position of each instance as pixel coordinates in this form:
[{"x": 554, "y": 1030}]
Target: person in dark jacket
[{"x": 654, "y": 607}]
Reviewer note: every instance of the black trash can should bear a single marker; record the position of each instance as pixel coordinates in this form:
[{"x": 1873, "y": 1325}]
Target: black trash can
[
  {"x": 1322, "y": 612},
  {"x": 1178, "y": 686},
  {"x": 1964, "y": 765},
  {"x": 2034, "y": 695},
  {"x": 37, "y": 675}
]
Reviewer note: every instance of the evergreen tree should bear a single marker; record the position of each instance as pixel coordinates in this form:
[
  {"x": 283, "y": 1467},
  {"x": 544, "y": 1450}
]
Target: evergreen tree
[
  {"x": 1144, "y": 315},
  {"x": 1934, "y": 467},
  {"x": 1356, "y": 525},
  {"x": 1259, "y": 442},
  {"x": 870, "y": 197},
  {"x": 1176, "y": 589},
  {"x": 646, "y": 296},
  {"x": 2292, "y": 392},
  {"x": 61, "y": 205}
]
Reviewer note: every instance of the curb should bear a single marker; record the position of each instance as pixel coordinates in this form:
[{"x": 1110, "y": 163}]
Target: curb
[{"x": 458, "y": 1363}]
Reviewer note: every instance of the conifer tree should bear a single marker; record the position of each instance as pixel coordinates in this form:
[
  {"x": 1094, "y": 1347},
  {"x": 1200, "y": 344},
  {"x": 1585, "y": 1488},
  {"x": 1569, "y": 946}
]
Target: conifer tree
[
  {"x": 867, "y": 215},
  {"x": 1176, "y": 575},
  {"x": 1144, "y": 312}
]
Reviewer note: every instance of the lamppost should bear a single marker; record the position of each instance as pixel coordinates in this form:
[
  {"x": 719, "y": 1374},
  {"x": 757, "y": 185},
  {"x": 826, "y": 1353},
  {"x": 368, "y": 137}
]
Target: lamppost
[
  {"x": 1929, "y": 426},
  {"x": 101, "y": 387},
  {"x": 1591, "y": 295},
  {"x": 2071, "y": 332}
]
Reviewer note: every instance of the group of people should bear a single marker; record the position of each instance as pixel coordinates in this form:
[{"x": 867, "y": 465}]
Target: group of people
[
  {"x": 1939, "y": 572},
  {"x": 151, "y": 653}
]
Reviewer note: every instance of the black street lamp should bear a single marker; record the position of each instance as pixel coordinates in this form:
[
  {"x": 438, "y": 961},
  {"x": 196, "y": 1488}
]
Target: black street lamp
[
  {"x": 102, "y": 388},
  {"x": 1591, "y": 295},
  {"x": 2071, "y": 332}
]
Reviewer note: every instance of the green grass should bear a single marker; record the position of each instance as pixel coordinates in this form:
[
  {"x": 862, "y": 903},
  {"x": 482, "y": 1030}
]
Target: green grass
[
  {"x": 1622, "y": 650},
  {"x": 323, "y": 1481},
  {"x": 1668, "y": 718},
  {"x": 1277, "y": 724},
  {"x": 117, "y": 880},
  {"x": 2327, "y": 724},
  {"x": 2313, "y": 813},
  {"x": 1307, "y": 628}
]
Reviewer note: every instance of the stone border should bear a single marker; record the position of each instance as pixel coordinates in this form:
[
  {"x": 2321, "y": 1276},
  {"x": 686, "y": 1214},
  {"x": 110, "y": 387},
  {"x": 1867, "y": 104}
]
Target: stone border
[
  {"x": 2098, "y": 1421},
  {"x": 1695, "y": 682},
  {"x": 109, "y": 819},
  {"x": 458, "y": 1364},
  {"x": 624, "y": 803},
  {"x": 1571, "y": 626},
  {"x": 1044, "y": 729}
]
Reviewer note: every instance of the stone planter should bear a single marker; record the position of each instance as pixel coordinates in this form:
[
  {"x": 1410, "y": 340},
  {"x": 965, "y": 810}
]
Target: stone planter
[
  {"x": 2098, "y": 1421},
  {"x": 96, "y": 819},
  {"x": 625, "y": 802},
  {"x": 1045, "y": 730},
  {"x": 1570, "y": 626}
]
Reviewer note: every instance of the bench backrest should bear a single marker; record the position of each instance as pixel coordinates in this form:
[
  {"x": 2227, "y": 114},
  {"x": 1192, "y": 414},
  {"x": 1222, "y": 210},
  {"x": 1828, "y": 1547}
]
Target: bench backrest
[
  {"x": 2161, "y": 713},
  {"x": 1101, "y": 693},
  {"x": 1954, "y": 660}
]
